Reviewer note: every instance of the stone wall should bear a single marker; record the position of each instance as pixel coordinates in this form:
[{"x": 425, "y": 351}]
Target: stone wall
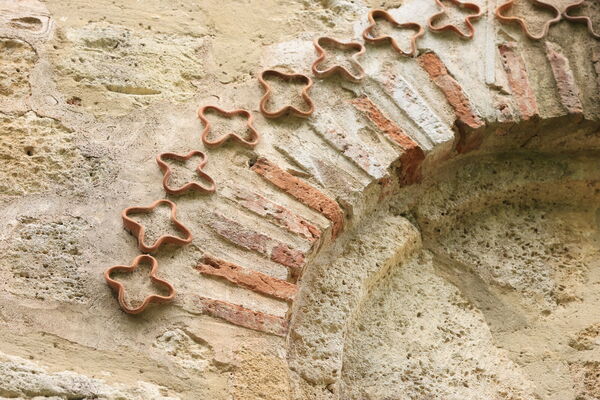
[{"x": 430, "y": 231}]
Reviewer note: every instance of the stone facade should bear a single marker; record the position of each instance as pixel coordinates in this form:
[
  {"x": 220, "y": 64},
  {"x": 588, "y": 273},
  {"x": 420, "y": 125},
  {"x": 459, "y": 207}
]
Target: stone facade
[{"x": 430, "y": 231}]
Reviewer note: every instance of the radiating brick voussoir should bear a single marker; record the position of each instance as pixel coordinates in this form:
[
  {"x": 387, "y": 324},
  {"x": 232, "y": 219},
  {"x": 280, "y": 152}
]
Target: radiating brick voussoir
[
  {"x": 596, "y": 64},
  {"x": 518, "y": 80},
  {"x": 352, "y": 148},
  {"x": 568, "y": 91},
  {"x": 274, "y": 212},
  {"x": 412, "y": 155},
  {"x": 303, "y": 192},
  {"x": 247, "y": 278},
  {"x": 249, "y": 239},
  {"x": 455, "y": 95},
  {"x": 407, "y": 99},
  {"x": 242, "y": 316}
]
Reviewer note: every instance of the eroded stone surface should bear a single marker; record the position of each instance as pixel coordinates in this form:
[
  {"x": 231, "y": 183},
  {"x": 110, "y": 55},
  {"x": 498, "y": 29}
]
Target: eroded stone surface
[
  {"x": 20, "y": 378},
  {"x": 39, "y": 154},
  {"x": 412, "y": 334},
  {"x": 429, "y": 232},
  {"x": 42, "y": 258},
  {"x": 17, "y": 58}
]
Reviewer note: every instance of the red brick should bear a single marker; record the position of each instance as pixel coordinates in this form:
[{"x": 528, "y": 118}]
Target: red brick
[
  {"x": 454, "y": 93},
  {"x": 518, "y": 80},
  {"x": 565, "y": 81},
  {"x": 412, "y": 155},
  {"x": 274, "y": 212},
  {"x": 242, "y": 316},
  {"x": 238, "y": 234},
  {"x": 247, "y": 278},
  {"x": 303, "y": 192}
]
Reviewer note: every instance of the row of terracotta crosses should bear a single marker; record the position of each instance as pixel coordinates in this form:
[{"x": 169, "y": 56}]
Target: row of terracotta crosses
[{"x": 252, "y": 136}]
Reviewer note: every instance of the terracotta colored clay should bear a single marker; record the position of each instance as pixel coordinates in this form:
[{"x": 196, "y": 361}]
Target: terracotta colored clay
[
  {"x": 138, "y": 231},
  {"x": 166, "y": 170},
  {"x": 582, "y": 19},
  {"x": 289, "y": 108},
  {"x": 522, "y": 23},
  {"x": 120, "y": 289},
  {"x": 322, "y": 54},
  {"x": 477, "y": 12},
  {"x": 376, "y": 14},
  {"x": 250, "y": 142}
]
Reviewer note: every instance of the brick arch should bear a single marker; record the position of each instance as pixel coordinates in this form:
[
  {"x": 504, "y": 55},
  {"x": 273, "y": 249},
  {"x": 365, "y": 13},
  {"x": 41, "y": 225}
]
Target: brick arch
[
  {"x": 523, "y": 96},
  {"x": 310, "y": 186},
  {"x": 404, "y": 121}
]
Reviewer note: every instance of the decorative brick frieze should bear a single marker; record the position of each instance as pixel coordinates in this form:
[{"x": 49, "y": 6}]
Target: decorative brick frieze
[{"x": 352, "y": 148}]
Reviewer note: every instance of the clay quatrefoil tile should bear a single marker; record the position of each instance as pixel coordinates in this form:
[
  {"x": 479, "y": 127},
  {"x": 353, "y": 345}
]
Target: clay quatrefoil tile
[
  {"x": 166, "y": 169},
  {"x": 119, "y": 288},
  {"x": 370, "y": 35},
  {"x": 249, "y": 139},
  {"x": 554, "y": 16},
  {"x": 350, "y": 69},
  {"x": 138, "y": 230},
  {"x": 289, "y": 79},
  {"x": 474, "y": 13},
  {"x": 582, "y": 12}
]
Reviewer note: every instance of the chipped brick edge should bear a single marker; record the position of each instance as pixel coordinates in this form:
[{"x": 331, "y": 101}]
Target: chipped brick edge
[
  {"x": 568, "y": 91},
  {"x": 243, "y": 316},
  {"x": 303, "y": 192},
  {"x": 247, "y": 278},
  {"x": 518, "y": 80},
  {"x": 455, "y": 95},
  {"x": 412, "y": 155}
]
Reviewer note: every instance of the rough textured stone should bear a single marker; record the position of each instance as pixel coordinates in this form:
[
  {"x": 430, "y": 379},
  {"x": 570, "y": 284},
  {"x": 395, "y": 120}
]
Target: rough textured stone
[
  {"x": 40, "y": 154},
  {"x": 16, "y": 61},
  {"x": 21, "y": 378},
  {"x": 42, "y": 257},
  {"x": 431, "y": 231},
  {"x": 112, "y": 88}
]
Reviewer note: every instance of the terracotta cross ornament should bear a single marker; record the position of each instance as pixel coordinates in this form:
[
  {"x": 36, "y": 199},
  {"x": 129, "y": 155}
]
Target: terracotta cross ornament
[
  {"x": 476, "y": 13},
  {"x": 138, "y": 230},
  {"x": 120, "y": 289},
  {"x": 288, "y": 109},
  {"x": 358, "y": 48},
  {"x": 582, "y": 19},
  {"x": 522, "y": 23},
  {"x": 167, "y": 172},
  {"x": 252, "y": 134},
  {"x": 375, "y": 15}
]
